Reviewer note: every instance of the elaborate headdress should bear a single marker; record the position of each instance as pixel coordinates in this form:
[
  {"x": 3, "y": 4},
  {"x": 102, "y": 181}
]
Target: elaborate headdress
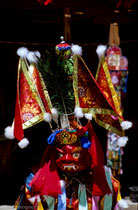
[{"x": 58, "y": 84}]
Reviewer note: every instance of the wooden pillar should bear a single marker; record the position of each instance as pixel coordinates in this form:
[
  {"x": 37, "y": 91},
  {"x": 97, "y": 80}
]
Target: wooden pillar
[
  {"x": 67, "y": 30},
  {"x": 114, "y": 38}
]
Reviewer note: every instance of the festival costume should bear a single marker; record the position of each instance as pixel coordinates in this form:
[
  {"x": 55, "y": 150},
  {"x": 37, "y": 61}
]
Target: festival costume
[{"x": 72, "y": 173}]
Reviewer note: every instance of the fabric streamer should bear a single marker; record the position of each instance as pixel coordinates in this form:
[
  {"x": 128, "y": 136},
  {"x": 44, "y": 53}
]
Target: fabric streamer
[
  {"x": 50, "y": 202},
  {"x": 82, "y": 197},
  {"x": 62, "y": 199},
  {"x": 108, "y": 198},
  {"x": 95, "y": 202},
  {"x": 19, "y": 201},
  {"x": 28, "y": 180}
]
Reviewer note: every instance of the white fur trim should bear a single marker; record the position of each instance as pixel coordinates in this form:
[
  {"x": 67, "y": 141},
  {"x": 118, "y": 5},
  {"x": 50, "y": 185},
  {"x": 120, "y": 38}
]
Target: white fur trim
[
  {"x": 47, "y": 117},
  {"x": 8, "y": 132},
  {"x": 76, "y": 49},
  {"x": 23, "y": 143},
  {"x": 88, "y": 116},
  {"x": 78, "y": 112},
  {"x": 22, "y": 52},
  {"x": 122, "y": 141},
  {"x": 101, "y": 50},
  {"x": 126, "y": 125},
  {"x": 122, "y": 204}
]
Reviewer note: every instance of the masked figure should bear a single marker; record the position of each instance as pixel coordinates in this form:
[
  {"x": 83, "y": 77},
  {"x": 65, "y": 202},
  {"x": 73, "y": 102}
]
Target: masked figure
[{"x": 72, "y": 173}]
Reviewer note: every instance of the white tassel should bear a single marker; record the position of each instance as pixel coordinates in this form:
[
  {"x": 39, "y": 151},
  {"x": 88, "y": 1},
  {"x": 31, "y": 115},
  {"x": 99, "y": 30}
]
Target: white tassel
[
  {"x": 126, "y": 125},
  {"x": 32, "y": 58},
  {"x": 76, "y": 49},
  {"x": 78, "y": 112},
  {"x": 88, "y": 116},
  {"x": 122, "y": 141},
  {"x": 8, "y": 132},
  {"x": 122, "y": 204},
  {"x": 54, "y": 114},
  {"x": 101, "y": 50},
  {"x": 37, "y": 54},
  {"x": 47, "y": 117},
  {"x": 22, "y": 52},
  {"x": 23, "y": 143}
]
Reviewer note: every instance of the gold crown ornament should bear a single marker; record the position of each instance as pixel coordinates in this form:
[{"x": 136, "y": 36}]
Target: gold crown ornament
[{"x": 65, "y": 137}]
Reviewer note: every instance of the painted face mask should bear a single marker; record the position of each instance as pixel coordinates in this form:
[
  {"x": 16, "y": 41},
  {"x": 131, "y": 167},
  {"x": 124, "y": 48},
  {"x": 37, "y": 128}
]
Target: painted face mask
[
  {"x": 70, "y": 152},
  {"x": 72, "y": 158}
]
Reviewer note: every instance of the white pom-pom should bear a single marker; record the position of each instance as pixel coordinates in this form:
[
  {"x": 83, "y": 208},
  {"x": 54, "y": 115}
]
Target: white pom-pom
[
  {"x": 37, "y": 54},
  {"x": 122, "y": 204},
  {"x": 88, "y": 116},
  {"x": 78, "y": 112},
  {"x": 126, "y": 125},
  {"x": 101, "y": 50},
  {"x": 32, "y": 58},
  {"x": 8, "y": 132},
  {"x": 54, "y": 114},
  {"x": 23, "y": 143},
  {"x": 76, "y": 49},
  {"x": 122, "y": 141},
  {"x": 22, "y": 52},
  {"x": 47, "y": 117}
]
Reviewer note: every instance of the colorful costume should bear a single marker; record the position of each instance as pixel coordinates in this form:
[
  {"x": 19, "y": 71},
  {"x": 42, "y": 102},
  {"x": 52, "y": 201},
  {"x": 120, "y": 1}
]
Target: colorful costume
[{"x": 72, "y": 174}]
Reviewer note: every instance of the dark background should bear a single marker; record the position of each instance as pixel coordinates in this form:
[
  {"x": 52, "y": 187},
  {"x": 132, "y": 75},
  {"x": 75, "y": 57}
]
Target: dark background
[{"x": 37, "y": 27}]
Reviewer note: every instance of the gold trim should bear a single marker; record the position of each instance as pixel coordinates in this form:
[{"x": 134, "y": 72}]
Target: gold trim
[
  {"x": 33, "y": 121},
  {"x": 75, "y": 80},
  {"x": 109, "y": 127},
  {"x": 98, "y": 110}
]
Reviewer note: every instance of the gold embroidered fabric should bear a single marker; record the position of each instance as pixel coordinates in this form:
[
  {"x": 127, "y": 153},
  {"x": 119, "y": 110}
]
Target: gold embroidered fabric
[
  {"x": 89, "y": 96},
  {"x": 104, "y": 81},
  {"x": 64, "y": 137},
  {"x": 32, "y": 96}
]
